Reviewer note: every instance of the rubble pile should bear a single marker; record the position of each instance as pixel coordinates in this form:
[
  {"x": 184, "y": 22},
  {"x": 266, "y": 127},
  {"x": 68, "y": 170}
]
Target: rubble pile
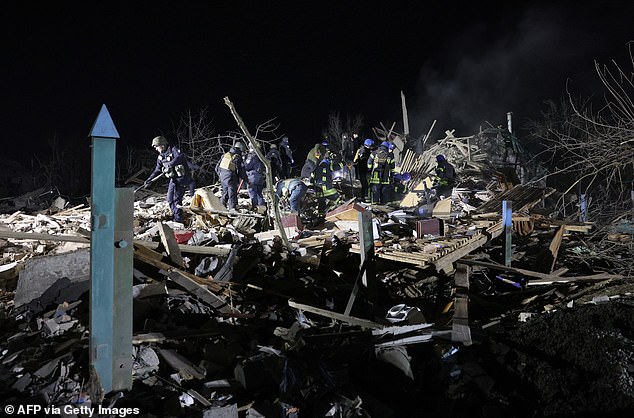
[{"x": 230, "y": 321}]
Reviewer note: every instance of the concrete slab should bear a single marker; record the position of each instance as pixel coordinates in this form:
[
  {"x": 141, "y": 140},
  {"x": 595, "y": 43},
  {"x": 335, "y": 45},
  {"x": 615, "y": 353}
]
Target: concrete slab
[{"x": 40, "y": 273}]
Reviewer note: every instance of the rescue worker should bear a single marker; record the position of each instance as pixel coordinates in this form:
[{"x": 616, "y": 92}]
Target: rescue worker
[
  {"x": 276, "y": 161},
  {"x": 328, "y": 151},
  {"x": 256, "y": 175},
  {"x": 445, "y": 178},
  {"x": 230, "y": 169},
  {"x": 322, "y": 179},
  {"x": 315, "y": 155},
  {"x": 173, "y": 163},
  {"x": 361, "y": 164},
  {"x": 287, "y": 157},
  {"x": 381, "y": 167},
  {"x": 390, "y": 147},
  {"x": 401, "y": 182},
  {"x": 292, "y": 189}
]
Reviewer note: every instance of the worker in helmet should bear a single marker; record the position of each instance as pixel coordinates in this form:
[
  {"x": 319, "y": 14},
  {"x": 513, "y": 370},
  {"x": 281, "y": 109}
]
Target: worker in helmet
[
  {"x": 361, "y": 165},
  {"x": 276, "y": 161},
  {"x": 401, "y": 186},
  {"x": 174, "y": 165},
  {"x": 445, "y": 178},
  {"x": 293, "y": 190},
  {"x": 230, "y": 170},
  {"x": 381, "y": 167}
]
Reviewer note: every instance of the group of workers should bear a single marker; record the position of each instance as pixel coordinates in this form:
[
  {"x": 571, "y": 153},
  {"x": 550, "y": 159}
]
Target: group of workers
[{"x": 373, "y": 166}]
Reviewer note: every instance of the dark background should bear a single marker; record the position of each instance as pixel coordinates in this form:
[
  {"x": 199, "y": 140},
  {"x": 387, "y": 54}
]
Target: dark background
[{"x": 461, "y": 63}]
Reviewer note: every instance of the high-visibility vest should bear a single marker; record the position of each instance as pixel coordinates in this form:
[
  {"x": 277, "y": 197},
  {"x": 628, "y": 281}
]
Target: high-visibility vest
[
  {"x": 228, "y": 162},
  {"x": 381, "y": 166}
]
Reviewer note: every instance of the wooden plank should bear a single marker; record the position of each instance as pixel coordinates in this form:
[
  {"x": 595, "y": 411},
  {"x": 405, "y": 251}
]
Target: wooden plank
[
  {"x": 415, "y": 261},
  {"x": 194, "y": 249},
  {"x": 544, "y": 278},
  {"x": 143, "y": 255},
  {"x": 169, "y": 242},
  {"x": 12, "y": 217},
  {"x": 147, "y": 252},
  {"x": 460, "y": 331},
  {"x": 411, "y": 199},
  {"x": 442, "y": 208},
  {"x": 461, "y": 277},
  {"x": 347, "y": 211},
  {"x": 68, "y": 211},
  {"x": 555, "y": 244},
  {"x": 191, "y": 249},
  {"x": 186, "y": 369},
  {"x": 201, "y": 292},
  {"x": 461, "y": 308},
  {"x": 578, "y": 228},
  {"x": 446, "y": 262},
  {"x": 364, "y": 323},
  {"x": 42, "y": 237}
]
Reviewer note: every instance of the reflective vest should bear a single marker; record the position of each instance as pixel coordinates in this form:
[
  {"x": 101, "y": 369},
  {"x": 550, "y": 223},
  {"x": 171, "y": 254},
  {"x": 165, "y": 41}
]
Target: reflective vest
[
  {"x": 228, "y": 161},
  {"x": 381, "y": 166},
  {"x": 445, "y": 175},
  {"x": 323, "y": 179}
]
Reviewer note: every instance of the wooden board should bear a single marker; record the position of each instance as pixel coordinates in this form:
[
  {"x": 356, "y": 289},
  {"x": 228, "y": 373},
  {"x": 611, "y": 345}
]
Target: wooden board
[{"x": 169, "y": 242}]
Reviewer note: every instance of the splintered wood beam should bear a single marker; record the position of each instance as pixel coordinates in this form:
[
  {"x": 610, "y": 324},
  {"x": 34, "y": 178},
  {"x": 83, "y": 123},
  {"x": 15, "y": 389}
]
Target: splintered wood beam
[
  {"x": 405, "y": 118},
  {"x": 543, "y": 277},
  {"x": 460, "y": 331},
  {"x": 169, "y": 242},
  {"x": 364, "y": 323},
  {"x": 202, "y": 292},
  {"x": 555, "y": 244},
  {"x": 43, "y": 237},
  {"x": 445, "y": 263},
  {"x": 193, "y": 249},
  {"x": 149, "y": 257}
]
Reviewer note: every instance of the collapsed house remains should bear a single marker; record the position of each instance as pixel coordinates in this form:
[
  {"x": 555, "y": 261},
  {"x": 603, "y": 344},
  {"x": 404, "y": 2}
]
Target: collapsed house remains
[{"x": 422, "y": 308}]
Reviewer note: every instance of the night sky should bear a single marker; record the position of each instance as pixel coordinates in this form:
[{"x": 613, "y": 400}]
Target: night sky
[{"x": 461, "y": 63}]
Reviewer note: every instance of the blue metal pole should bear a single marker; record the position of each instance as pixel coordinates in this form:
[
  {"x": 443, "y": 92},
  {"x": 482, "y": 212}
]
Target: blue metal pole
[
  {"x": 102, "y": 204},
  {"x": 507, "y": 221}
]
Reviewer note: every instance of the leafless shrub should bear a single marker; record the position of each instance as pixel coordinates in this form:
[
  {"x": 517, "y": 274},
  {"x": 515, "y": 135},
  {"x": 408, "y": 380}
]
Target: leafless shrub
[
  {"x": 337, "y": 127},
  {"x": 196, "y": 136},
  {"x": 594, "y": 150}
]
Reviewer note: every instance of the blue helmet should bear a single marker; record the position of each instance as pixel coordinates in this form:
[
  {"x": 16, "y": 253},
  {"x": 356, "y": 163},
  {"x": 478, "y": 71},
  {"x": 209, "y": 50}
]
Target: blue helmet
[
  {"x": 406, "y": 176},
  {"x": 324, "y": 143},
  {"x": 391, "y": 145},
  {"x": 440, "y": 158},
  {"x": 385, "y": 144},
  {"x": 368, "y": 142}
]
